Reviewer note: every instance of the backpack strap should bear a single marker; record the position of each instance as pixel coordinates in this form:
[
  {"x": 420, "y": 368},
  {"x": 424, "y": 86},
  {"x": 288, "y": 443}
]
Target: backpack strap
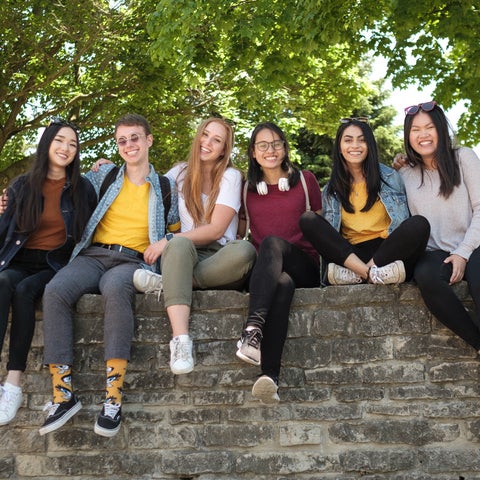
[
  {"x": 166, "y": 196},
  {"x": 107, "y": 181},
  {"x": 247, "y": 216},
  {"x": 305, "y": 189}
]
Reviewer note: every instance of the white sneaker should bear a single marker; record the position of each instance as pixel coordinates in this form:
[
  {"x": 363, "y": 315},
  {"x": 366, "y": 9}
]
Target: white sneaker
[
  {"x": 338, "y": 275},
  {"x": 391, "y": 273},
  {"x": 9, "y": 404},
  {"x": 181, "y": 360},
  {"x": 146, "y": 281},
  {"x": 266, "y": 390}
]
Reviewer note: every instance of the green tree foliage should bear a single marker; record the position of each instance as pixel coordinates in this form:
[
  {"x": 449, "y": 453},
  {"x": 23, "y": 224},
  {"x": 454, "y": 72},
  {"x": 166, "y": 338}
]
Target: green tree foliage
[
  {"x": 303, "y": 64},
  {"x": 435, "y": 41}
]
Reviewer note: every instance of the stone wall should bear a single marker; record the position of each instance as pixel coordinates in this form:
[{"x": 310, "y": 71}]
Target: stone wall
[{"x": 372, "y": 388}]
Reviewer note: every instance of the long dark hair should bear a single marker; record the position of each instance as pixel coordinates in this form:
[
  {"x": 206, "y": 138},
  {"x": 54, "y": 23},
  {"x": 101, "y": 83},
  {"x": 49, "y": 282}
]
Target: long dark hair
[
  {"x": 29, "y": 200},
  {"x": 445, "y": 158},
  {"x": 255, "y": 174},
  {"x": 340, "y": 183}
]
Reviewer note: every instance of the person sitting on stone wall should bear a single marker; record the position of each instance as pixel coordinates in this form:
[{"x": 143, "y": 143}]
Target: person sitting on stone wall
[
  {"x": 205, "y": 254},
  {"x": 130, "y": 216},
  {"x": 442, "y": 183},
  {"x": 275, "y": 196},
  {"x": 47, "y": 211},
  {"x": 366, "y": 233}
]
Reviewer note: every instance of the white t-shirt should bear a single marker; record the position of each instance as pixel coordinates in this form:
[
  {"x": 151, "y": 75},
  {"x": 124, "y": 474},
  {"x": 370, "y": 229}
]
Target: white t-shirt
[{"x": 229, "y": 195}]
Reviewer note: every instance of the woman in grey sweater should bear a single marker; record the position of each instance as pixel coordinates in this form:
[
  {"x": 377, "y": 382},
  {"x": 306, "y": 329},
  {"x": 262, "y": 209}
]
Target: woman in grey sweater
[{"x": 442, "y": 184}]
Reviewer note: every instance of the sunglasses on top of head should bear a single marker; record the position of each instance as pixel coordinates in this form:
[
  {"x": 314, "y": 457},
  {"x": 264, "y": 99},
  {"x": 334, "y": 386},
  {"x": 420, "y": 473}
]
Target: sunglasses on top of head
[
  {"x": 354, "y": 119},
  {"x": 426, "y": 107},
  {"x": 62, "y": 122}
]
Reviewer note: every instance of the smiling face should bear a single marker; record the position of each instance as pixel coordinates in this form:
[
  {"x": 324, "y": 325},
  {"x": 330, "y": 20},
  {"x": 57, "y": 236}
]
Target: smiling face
[
  {"x": 133, "y": 144},
  {"x": 353, "y": 146},
  {"x": 423, "y": 137},
  {"x": 269, "y": 159},
  {"x": 213, "y": 142},
  {"x": 62, "y": 150}
]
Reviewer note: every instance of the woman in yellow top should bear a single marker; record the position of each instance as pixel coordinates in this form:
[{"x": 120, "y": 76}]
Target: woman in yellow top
[{"x": 366, "y": 233}]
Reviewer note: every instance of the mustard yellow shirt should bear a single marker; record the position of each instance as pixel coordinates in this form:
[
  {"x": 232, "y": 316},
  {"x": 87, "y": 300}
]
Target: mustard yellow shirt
[
  {"x": 363, "y": 226},
  {"x": 126, "y": 221}
]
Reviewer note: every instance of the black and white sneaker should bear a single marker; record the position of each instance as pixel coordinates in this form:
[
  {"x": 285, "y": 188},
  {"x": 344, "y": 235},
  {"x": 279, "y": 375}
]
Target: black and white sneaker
[
  {"x": 108, "y": 422},
  {"x": 249, "y": 346},
  {"x": 59, "y": 414}
]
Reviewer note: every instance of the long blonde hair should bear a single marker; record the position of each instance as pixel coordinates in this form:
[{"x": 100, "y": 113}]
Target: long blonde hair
[{"x": 192, "y": 180}]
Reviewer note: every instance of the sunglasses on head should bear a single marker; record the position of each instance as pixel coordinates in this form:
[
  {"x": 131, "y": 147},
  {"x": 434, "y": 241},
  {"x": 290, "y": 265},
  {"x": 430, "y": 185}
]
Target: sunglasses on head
[
  {"x": 63, "y": 123},
  {"x": 354, "y": 119},
  {"x": 426, "y": 107}
]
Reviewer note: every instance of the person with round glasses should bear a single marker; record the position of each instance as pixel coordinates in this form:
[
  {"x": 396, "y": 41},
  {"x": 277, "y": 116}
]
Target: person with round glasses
[
  {"x": 366, "y": 234},
  {"x": 276, "y": 194},
  {"x": 442, "y": 182}
]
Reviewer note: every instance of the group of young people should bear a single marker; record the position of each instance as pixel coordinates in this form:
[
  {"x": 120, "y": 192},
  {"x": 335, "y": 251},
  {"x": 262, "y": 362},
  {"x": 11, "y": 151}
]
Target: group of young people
[{"x": 63, "y": 235}]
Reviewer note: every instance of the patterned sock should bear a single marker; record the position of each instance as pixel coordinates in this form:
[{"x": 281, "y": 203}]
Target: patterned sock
[
  {"x": 61, "y": 382},
  {"x": 116, "y": 368}
]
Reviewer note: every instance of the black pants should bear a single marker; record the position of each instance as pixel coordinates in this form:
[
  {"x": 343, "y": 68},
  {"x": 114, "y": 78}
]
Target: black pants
[
  {"x": 21, "y": 287},
  {"x": 432, "y": 277},
  {"x": 280, "y": 268},
  {"x": 407, "y": 242}
]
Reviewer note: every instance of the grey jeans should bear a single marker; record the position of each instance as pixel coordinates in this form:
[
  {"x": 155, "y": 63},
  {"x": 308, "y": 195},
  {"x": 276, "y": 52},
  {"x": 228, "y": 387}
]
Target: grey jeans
[
  {"x": 95, "y": 270},
  {"x": 212, "y": 266}
]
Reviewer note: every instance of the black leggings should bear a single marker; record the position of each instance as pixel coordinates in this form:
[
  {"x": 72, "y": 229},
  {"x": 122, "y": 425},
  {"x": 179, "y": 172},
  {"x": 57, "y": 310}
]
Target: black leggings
[
  {"x": 280, "y": 268},
  {"x": 21, "y": 287},
  {"x": 432, "y": 276},
  {"x": 407, "y": 242}
]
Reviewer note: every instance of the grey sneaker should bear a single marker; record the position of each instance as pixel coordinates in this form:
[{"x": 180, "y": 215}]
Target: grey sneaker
[
  {"x": 146, "y": 281},
  {"x": 388, "y": 274},
  {"x": 338, "y": 275},
  {"x": 181, "y": 359},
  {"x": 10, "y": 402},
  {"x": 266, "y": 390},
  {"x": 249, "y": 346}
]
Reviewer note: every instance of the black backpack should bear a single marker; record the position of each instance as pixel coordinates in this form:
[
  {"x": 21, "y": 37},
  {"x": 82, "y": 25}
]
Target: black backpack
[{"x": 164, "y": 185}]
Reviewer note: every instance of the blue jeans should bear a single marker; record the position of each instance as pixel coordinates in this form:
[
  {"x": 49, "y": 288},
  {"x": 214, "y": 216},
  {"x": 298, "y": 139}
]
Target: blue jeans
[
  {"x": 95, "y": 270},
  {"x": 21, "y": 287}
]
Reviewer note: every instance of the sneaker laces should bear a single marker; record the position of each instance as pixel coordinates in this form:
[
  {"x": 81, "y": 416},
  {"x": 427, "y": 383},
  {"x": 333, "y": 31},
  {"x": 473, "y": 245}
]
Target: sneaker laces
[
  {"x": 254, "y": 337},
  {"x": 182, "y": 351},
  {"x": 111, "y": 409},
  {"x": 378, "y": 274},
  {"x": 51, "y": 407}
]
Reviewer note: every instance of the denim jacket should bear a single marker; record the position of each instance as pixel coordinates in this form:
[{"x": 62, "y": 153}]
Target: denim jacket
[
  {"x": 392, "y": 195},
  {"x": 11, "y": 241},
  {"x": 156, "y": 219}
]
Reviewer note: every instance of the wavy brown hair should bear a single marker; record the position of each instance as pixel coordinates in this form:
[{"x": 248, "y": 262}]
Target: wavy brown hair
[{"x": 193, "y": 174}]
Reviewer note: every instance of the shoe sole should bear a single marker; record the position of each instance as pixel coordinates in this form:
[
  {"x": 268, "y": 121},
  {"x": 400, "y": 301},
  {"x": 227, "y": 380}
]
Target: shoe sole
[
  {"x": 249, "y": 360},
  {"x": 266, "y": 391},
  {"x": 61, "y": 421},
  {"x": 106, "y": 432},
  {"x": 181, "y": 371}
]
